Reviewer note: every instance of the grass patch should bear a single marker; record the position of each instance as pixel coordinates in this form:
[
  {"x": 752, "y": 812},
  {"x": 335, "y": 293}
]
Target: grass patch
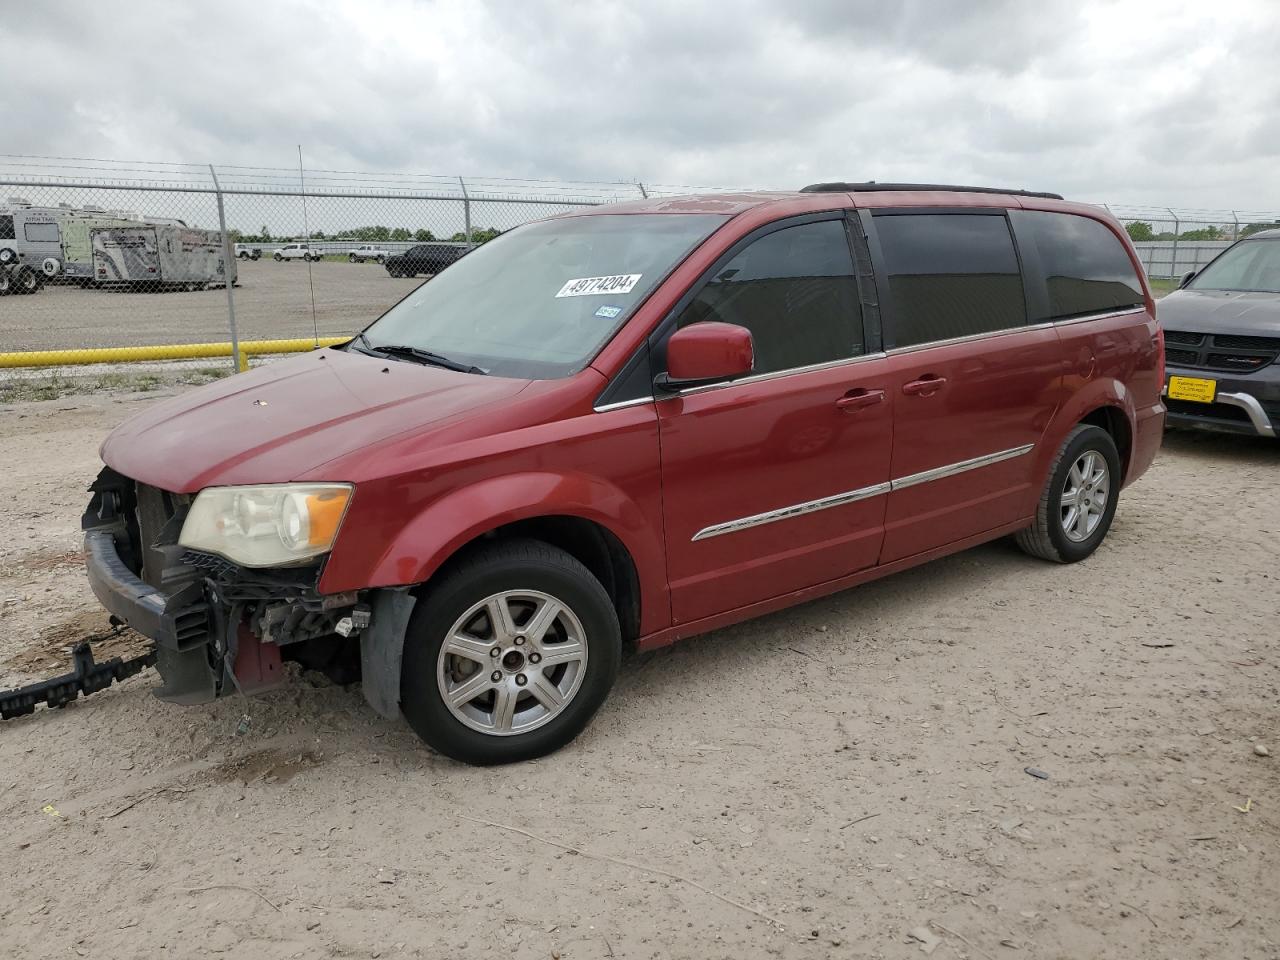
[
  {"x": 1160, "y": 286},
  {"x": 55, "y": 386}
]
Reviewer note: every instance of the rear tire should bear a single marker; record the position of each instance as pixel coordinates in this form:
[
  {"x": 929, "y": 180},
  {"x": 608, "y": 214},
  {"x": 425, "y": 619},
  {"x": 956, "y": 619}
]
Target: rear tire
[
  {"x": 6, "y": 283},
  {"x": 555, "y": 610},
  {"x": 276, "y": 257},
  {"x": 28, "y": 281},
  {"x": 351, "y": 258},
  {"x": 1079, "y": 500}
]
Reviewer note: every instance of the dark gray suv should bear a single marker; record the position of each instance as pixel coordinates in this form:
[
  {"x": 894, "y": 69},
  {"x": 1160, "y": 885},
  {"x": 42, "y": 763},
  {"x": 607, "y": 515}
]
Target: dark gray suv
[{"x": 1222, "y": 341}]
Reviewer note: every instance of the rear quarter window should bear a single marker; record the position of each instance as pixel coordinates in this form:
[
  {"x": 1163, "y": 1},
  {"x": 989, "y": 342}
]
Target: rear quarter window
[
  {"x": 950, "y": 275},
  {"x": 1086, "y": 269}
]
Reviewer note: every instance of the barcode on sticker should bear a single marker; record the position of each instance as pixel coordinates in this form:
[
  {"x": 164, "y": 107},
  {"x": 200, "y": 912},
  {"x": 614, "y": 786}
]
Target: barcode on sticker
[{"x": 586, "y": 286}]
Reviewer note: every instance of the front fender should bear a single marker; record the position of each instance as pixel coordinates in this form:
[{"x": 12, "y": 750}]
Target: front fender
[{"x": 427, "y": 540}]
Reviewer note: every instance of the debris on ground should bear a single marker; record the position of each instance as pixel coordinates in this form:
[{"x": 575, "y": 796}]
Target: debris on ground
[
  {"x": 927, "y": 939},
  {"x": 1261, "y": 750},
  {"x": 1036, "y": 772}
]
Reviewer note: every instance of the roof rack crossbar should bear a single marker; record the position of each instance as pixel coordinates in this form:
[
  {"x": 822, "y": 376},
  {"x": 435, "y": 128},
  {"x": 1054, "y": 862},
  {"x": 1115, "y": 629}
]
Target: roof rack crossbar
[{"x": 872, "y": 187}]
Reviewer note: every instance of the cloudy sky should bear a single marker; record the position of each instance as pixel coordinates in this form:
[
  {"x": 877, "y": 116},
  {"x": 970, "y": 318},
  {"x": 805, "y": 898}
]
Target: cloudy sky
[{"x": 1164, "y": 103}]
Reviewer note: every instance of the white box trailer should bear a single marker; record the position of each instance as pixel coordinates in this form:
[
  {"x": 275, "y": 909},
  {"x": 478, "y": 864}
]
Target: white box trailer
[
  {"x": 31, "y": 238},
  {"x": 160, "y": 256}
]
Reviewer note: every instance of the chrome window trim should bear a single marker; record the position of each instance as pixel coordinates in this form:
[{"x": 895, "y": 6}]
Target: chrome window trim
[
  {"x": 862, "y": 493},
  {"x": 795, "y": 510},
  {"x": 990, "y": 334},
  {"x": 969, "y": 338},
  {"x": 775, "y": 374},
  {"x": 1103, "y": 315},
  {"x": 605, "y": 407},
  {"x": 951, "y": 469}
]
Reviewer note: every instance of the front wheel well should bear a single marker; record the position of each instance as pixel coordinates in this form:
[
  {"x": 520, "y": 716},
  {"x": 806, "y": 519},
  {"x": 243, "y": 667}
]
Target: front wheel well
[
  {"x": 1113, "y": 420},
  {"x": 592, "y": 545}
]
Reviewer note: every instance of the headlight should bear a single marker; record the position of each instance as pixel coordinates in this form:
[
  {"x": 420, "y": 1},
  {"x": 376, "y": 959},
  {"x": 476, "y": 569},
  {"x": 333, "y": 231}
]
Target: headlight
[{"x": 270, "y": 526}]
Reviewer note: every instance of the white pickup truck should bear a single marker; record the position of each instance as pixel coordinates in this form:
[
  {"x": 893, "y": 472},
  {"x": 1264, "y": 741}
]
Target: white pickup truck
[
  {"x": 367, "y": 251},
  {"x": 297, "y": 251}
]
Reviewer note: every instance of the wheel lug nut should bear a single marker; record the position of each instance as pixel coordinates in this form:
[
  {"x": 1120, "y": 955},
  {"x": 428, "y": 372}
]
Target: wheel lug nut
[
  {"x": 495, "y": 652},
  {"x": 495, "y": 676},
  {"x": 521, "y": 679},
  {"x": 519, "y": 641},
  {"x": 535, "y": 658}
]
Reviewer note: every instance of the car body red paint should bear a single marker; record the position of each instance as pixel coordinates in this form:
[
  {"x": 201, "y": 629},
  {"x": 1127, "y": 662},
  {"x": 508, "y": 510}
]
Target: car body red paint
[{"x": 440, "y": 458}]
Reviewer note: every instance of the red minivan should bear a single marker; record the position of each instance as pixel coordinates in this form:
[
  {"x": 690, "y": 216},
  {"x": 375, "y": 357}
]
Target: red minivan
[{"x": 628, "y": 425}]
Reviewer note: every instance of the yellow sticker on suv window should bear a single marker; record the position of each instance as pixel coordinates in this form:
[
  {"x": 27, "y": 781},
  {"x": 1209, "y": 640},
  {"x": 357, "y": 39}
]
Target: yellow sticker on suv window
[{"x": 1195, "y": 389}]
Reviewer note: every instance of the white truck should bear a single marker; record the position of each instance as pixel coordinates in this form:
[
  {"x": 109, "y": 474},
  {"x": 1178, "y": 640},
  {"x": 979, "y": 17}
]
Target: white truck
[
  {"x": 367, "y": 251},
  {"x": 297, "y": 251}
]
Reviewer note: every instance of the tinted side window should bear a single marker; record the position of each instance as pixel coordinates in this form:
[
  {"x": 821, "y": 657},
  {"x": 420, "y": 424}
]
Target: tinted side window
[
  {"x": 42, "y": 232},
  {"x": 1086, "y": 267},
  {"x": 6, "y": 228},
  {"x": 795, "y": 290},
  {"x": 950, "y": 275}
]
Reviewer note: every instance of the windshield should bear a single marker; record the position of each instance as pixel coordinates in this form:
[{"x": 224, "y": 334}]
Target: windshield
[
  {"x": 1251, "y": 265},
  {"x": 540, "y": 301}
]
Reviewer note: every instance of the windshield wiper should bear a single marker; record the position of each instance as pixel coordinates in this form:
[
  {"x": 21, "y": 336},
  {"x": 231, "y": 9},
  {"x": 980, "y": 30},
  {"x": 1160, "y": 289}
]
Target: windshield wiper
[{"x": 417, "y": 355}]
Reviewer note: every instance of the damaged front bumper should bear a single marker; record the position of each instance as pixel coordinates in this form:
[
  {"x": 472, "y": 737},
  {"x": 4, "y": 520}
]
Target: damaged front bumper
[{"x": 220, "y": 628}]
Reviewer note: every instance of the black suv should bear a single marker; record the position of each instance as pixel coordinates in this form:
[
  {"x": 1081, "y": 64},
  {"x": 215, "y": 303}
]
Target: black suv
[
  {"x": 425, "y": 258},
  {"x": 1222, "y": 341}
]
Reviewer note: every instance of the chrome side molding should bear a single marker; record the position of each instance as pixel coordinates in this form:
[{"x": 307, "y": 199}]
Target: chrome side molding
[{"x": 862, "y": 493}]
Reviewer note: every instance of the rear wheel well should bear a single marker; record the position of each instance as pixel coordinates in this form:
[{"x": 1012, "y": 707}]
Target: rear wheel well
[
  {"x": 1113, "y": 420},
  {"x": 592, "y": 545}
]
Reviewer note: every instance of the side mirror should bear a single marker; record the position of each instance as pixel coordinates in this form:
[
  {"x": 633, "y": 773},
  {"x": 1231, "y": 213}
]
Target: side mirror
[
  {"x": 706, "y": 353},
  {"x": 1186, "y": 278}
]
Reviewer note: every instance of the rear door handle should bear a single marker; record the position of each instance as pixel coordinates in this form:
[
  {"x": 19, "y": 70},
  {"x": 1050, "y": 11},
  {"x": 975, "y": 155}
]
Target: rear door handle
[
  {"x": 859, "y": 398},
  {"x": 924, "y": 387}
]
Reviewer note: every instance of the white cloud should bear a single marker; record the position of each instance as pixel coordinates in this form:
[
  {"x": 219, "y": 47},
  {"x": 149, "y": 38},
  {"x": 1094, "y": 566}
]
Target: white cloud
[{"x": 1171, "y": 103}]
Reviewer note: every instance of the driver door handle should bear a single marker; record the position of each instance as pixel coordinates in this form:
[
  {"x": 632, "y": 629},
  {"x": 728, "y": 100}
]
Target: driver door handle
[
  {"x": 924, "y": 387},
  {"x": 859, "y": 398}
]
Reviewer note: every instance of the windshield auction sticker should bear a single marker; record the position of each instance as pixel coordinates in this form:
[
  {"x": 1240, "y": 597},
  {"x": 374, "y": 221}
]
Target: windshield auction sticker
[{"x": 586, "y": 286}]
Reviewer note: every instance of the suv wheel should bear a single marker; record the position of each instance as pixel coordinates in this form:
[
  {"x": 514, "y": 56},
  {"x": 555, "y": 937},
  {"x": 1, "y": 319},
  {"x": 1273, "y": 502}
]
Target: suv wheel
[
  {"x": 277, "y": 257},
  {"x": 509, "y": 656},
  {"x": 381, "y": 259},
  {"x": 351, "y": 258},
  {"x": 1079, "y": 501}
]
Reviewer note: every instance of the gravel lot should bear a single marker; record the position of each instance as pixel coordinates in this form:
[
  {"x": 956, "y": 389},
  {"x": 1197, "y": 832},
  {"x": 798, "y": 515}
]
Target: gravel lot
[
  {"x": 273, "y": 301},
  {"x": 818, "y": 783}
]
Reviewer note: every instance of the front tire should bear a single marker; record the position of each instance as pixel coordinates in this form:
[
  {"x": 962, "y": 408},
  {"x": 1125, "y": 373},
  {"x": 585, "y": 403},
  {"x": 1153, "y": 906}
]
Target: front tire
[
  {"x": 509, "y": 655},
  {"x": 1079, "y": 501},
  {"x": 276, "y": 257}
]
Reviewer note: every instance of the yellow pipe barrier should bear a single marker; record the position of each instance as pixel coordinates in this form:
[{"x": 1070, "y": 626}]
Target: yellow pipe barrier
[{"x": 177, "y": 351}]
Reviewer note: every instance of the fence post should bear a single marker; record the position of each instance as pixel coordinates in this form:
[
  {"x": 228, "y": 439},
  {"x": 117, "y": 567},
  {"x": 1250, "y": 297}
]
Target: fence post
[
  {"x": 1235, "y": 220},
  {"x": 1173, "y": 262},
  {"x": 643, "y": 192},
  {"x": 466, "y": 210},
  {"x": 239, "y": 362}
]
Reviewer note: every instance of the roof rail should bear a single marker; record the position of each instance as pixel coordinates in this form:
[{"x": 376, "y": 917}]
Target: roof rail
[{"x": 872, "y": 187}]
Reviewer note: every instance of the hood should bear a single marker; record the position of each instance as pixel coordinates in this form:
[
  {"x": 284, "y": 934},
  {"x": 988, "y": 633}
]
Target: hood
[
  {"x": 1221, "y": 311},
  {"x": 286, "y": 418}
]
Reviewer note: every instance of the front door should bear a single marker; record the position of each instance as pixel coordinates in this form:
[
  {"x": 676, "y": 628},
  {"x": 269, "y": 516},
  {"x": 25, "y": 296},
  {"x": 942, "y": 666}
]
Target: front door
[
  {"x": 777, "y": 481},
  {"x": 974, "y": 385}
]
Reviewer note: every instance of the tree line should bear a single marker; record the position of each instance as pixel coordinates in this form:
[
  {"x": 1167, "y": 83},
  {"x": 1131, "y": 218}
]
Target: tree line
[
  {"x": 1140, "y": 230},
  {"x": 376, "y": 234}
]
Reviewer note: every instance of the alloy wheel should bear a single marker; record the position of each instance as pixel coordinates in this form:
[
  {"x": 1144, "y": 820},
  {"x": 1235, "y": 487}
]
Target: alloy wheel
[
  {"x": 512, "y": 662},
  {"x": 1084, "y": 496}
]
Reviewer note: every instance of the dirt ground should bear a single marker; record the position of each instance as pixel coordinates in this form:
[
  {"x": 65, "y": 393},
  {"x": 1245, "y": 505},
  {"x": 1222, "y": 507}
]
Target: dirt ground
[
  {"x": 818, "y": 783},
  {"x": 273, "y": 301}
]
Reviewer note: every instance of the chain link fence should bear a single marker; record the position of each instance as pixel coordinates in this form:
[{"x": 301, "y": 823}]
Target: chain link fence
[
  {"x": 1171, "y": 241},
  {"x": 107, "y": 261}
]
